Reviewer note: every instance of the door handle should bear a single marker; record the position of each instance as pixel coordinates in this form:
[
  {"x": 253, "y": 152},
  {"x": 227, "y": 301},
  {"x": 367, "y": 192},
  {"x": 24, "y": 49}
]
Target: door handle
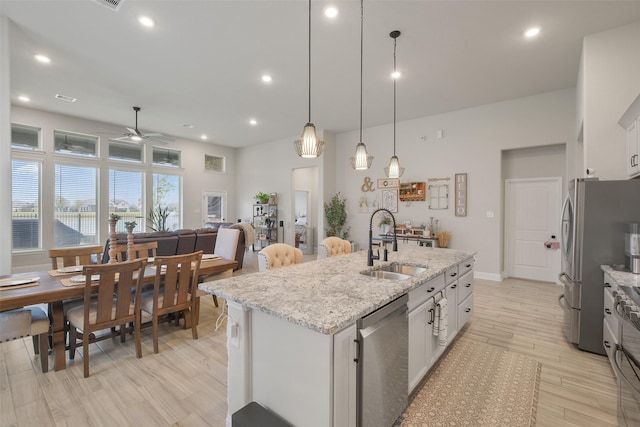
[
  {"x": 357, "y": 358},
  {"x": 432, "y": 313}
]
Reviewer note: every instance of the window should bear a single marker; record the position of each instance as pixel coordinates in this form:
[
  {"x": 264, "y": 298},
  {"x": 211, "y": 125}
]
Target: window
[
  {"x": 125, "y": 197},
  {"x": 75, "y": 205},
  {"x": 166, "y": 196},
  {"x": 25, "y": 137},
  {"x": 166, "y": 157},
  {"x": 214, "y": 163},
  {"x": 125, "y": 151},
  {"x": 75, "y": 143},
  {"x": 214, "y": 207},
  {"x": 25, "y": 205}
]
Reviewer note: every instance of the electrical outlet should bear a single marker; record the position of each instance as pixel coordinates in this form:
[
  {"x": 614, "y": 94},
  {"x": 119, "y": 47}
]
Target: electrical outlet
[{"x": 490, "y": 214}]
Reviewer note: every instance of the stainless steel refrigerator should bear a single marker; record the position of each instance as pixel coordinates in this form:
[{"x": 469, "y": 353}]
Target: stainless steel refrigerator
[{"x": 595, "y": 217}]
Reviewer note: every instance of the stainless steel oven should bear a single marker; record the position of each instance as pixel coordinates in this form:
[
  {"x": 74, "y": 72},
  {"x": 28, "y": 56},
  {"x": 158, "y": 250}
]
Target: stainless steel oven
[{"x": 626, "y": 361}]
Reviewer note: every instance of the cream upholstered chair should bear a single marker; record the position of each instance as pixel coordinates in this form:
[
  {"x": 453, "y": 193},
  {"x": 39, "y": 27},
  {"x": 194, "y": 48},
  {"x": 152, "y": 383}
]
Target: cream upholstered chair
[
  {"x": 278, "y": 255},
  {"x": 226, "y": 247},
  {"x": 24, "y": 322},
  {"x": 332, "y": 246}
]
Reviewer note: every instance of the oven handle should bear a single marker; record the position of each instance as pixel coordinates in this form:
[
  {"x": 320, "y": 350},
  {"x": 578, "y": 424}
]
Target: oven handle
[
  {"x": 624, "y": 319},
  {"x": 616, "y": 367},
  {"x": 560, "y": 303}
]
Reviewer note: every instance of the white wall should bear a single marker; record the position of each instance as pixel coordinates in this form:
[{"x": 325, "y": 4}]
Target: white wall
[
  {"x": 5, "y": 150},
  {"x": 473, "y": 142},
  {"x": 611, "y": 83},
  {"x": 195, "y": 179}
]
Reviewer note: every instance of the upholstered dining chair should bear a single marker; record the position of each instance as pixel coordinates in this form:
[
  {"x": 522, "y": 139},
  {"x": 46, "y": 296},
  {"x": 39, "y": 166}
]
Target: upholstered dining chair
[
  {"x": 279, "y": 255},
  {"x": 140, "y": 250},
  {"x": 332, "y": 246},
  {"x": 175, "y": 292},
  {"x": 28, "y": 321},
  {"x": 226, "y": 247},
  {"x": 112, "y": 303}
]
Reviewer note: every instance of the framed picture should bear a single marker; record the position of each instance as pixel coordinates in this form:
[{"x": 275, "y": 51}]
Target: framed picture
[
  {"x": 390, "y": 200},
  {"x": 461, "y": 194}
]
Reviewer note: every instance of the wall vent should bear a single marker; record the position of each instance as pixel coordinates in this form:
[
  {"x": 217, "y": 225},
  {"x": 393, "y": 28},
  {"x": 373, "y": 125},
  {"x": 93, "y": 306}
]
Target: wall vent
[
  {"x": 111, "y": 4},
  {"x": 65, "y": 98}
]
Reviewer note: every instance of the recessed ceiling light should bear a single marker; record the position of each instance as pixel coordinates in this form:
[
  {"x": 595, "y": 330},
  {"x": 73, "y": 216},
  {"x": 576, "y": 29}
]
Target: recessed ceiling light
[
  {"x": 266, "y": 78},
  {"x": 396, "y": 74},
  {"x": 253, "y": 122},
  {"x": 186, "y": 125},
  {"x": 42, "y": 58},
  {"x": 331, "y": 11},
  {"x": 204, "y": 137},
  {"x": 146, "y": 21},
  {"x": 532, "y": 32},
  {"x": 24, "y": 98}
]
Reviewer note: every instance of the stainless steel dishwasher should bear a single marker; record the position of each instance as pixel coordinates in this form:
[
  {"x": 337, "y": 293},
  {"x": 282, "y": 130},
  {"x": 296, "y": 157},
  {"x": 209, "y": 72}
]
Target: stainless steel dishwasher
[{"x": 383, "y": 365}]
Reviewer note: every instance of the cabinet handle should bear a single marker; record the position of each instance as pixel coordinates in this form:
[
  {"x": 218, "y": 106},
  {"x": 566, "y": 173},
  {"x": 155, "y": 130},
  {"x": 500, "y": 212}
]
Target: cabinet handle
[
  {"x": 432, "y": 313},
  {"x": 454, "y": 274},
  {"x": 606, "y": 344},
  {"x": 468, "y": 265},
  {"x": 606, "y": 310},
  {"x": 431, "y": 289},
  {"x": 357, "y": 359},
  {"x": 468, "y": 285},
  {"x": 607, "y": 285},
  {"x": 467, "y": 310},
  {"x": 454, "y": 286}
]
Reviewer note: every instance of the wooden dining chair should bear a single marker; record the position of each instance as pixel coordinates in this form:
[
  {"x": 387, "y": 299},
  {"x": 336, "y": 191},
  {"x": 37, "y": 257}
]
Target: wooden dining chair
[
  {"x": 140, "y": 250},
  {"x": 174, "y": 290},
  {"x": 77, "y": 255},
  {"x": 113, "y": 302}
]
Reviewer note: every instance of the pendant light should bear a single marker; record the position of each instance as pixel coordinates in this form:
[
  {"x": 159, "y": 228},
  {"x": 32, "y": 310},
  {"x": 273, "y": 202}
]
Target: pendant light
[
  {"x": 393, "y": 169},
  {"x": 362, "y": 160},
  {"x": 309, "y": 145}
]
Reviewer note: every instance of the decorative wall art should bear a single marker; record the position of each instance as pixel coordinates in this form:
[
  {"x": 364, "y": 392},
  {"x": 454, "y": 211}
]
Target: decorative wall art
[
  {"x": 438, "y": 196},
  {"x": 367, "y": 185},
  {"x": 390, "y": 200},
  {"x": 389, "y": 183},
  {"x": 461, "y": 194}
]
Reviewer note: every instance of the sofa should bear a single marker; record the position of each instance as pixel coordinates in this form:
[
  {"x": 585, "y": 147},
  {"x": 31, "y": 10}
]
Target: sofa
[{"x": 183, "y": 241}]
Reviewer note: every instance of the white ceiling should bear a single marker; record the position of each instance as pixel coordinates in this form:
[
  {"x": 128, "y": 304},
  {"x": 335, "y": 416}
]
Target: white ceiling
[{"x": 201, "y": 64}]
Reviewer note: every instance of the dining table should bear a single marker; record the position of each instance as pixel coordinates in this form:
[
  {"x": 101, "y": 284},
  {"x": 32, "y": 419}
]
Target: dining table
[{"x": 49, "y": 289}]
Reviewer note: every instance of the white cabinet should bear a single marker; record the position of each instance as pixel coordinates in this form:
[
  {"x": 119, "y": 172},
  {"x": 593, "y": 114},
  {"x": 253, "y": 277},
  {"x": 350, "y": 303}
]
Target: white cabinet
[
  {"x": 610, "y": 327},
  {"x": 630, "y": 121},
  {"x": 420, "y": 344},
  {"x": 344, "y": 377},
  {"x": 452, "y": 308}
]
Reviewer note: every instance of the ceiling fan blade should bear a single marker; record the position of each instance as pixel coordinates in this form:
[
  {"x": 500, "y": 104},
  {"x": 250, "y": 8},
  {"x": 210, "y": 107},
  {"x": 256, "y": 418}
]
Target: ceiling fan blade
[{"x": 133, "y": 131}]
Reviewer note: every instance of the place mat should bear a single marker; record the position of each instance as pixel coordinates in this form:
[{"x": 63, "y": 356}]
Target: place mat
[
  {"x": 477, "y": 384},
  {"x": 75, "y": 280},
  {"x": 18, "y": 282},
  {"x": 65, "y": 271}
]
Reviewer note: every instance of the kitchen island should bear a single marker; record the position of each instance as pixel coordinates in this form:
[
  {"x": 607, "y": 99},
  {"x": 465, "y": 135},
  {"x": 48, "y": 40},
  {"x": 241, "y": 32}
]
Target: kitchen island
[{"x": 291, "y": 331}]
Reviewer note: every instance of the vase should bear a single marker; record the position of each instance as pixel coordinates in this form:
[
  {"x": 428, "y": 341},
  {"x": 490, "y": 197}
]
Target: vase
[
  {"x": 130, "y": 254},
  {"x": 112, "y": 241}
]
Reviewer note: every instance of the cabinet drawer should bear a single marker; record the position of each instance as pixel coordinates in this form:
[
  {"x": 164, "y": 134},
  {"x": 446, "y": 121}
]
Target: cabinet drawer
[
  {"x": 451, "y": 274},
  {"x": 609, "y": 340},
  {"x": 465, "y": 310},
  {"x": 465, "y": 266},
  {"x": 609, "y": 307},
  {"x": 609, "y": 283},
  {"x": 425, "y": 291},
  {"x": 465, "y": 285}
]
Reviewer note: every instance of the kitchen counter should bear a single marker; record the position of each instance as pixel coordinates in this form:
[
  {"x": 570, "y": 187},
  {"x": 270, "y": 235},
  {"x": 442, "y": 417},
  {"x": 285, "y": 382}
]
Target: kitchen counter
[
  {"x": 625, "y": 278},
  {"x": 329, "y": 294}
]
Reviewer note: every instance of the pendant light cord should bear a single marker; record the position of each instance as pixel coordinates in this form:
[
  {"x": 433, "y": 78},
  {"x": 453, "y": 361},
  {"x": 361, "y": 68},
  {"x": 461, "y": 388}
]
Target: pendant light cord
[
  {"x": 309, "y": 121},
  {"x": 394, "y": 95},
  {"x": 361, "y": 67}
]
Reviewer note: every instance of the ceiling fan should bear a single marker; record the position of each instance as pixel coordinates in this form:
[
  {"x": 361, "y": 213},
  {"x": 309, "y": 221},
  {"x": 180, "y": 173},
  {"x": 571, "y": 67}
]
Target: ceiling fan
[{"x": 135, "y": 135}]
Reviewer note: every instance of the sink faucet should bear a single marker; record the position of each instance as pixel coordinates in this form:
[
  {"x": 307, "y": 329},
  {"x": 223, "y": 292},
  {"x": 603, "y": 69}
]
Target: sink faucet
[{"x": 370, "y": 255}]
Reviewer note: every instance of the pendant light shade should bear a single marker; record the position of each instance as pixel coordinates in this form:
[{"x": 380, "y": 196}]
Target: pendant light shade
[
  {"x": 393, "y": 169},
  {"x": 309, "y": 145},
  {"x": 362, "y": 160}
]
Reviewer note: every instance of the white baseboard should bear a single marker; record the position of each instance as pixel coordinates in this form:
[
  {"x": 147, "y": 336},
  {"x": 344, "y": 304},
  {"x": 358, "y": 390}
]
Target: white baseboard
[{"x": 488, "y": 276}]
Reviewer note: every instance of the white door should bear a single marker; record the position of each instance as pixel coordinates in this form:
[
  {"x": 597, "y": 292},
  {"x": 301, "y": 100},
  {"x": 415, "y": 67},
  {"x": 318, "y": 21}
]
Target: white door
[
  {"x": 532, "y": 216},
  {"x": 214, "y": 207}
]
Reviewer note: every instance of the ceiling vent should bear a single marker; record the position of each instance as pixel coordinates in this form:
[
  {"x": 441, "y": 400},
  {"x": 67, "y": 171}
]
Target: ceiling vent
[
  {"x": 111, "y": 4},
  {"x": 66, "y": 98}
]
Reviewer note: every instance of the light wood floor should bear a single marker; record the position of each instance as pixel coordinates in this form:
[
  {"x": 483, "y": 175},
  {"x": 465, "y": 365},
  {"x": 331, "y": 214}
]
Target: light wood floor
[{"x": 185, "y": 384}]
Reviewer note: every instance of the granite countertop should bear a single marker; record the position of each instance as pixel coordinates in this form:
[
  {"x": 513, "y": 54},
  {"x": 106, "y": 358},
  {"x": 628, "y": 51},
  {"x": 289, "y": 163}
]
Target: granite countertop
[
  {"x": 624, "y": 278},
  {"x": 330, "y": 294}
]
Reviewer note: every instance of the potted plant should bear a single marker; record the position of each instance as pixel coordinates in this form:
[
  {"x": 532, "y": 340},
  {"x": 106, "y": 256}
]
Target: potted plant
[
  {"x": 262, "y": 198},
  {"x": 385, "y": 224},
  {"x": 158, "y": 219},
  {"x": 336, "y": 213}
]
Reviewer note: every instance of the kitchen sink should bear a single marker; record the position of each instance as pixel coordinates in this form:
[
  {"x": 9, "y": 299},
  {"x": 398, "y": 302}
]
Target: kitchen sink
[
  {"x": 382, "y": 274},
  {"x": 407, "y": 269}
]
